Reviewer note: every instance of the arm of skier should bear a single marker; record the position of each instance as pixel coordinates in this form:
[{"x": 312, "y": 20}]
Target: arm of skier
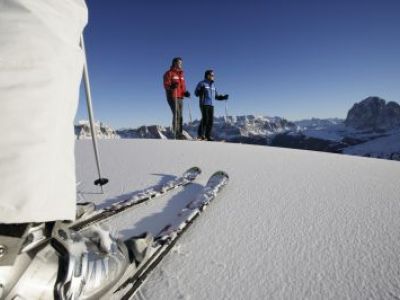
[
  {"x": 220, "y": 97},
  {"x": 168, "y": 83},
  {"x": 183, "y": 82},
  {"x": 199, "y": 90}
]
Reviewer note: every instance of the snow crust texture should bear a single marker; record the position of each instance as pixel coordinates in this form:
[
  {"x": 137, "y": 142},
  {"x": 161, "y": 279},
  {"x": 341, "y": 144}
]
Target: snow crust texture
[{"x": 291, "y": 224}]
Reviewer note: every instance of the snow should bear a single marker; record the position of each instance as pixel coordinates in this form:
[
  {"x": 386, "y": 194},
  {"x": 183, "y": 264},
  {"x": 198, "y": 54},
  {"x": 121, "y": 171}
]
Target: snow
[
  {"x": 330, "y": 135},
  {"x": 327, "y": 129},
  {"x": 291, "y": 224},
  {"x": 387, "y": 144},
  {"x": 333, "y": 133}
]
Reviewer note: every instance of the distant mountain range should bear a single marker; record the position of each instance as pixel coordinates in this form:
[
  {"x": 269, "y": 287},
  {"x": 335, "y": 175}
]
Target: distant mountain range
[
  {"x": 103, "y": 131},
  {"x": 372, "y": 129}
]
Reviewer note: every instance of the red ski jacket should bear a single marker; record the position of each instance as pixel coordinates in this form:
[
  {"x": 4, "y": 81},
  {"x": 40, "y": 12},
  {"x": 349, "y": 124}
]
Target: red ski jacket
[{"x": 174, "y": 76}]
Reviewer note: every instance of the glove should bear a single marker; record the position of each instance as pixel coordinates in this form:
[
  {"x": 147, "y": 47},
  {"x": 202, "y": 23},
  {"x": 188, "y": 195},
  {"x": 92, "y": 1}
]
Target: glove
[
  {"x": 173, "y": 86},
  {"x": 187, "y": 94},
  {"x": 222, "y": 97}
]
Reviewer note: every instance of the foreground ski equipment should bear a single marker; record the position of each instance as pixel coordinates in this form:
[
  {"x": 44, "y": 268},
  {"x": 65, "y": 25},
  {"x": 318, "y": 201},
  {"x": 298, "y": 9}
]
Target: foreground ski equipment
[
  {"x": 86, "y": 268},
  {"x": 71, "y": 265},
  {"x": 99, "y": 216},
  {"x": 74, "y": 265},
  {"x": 166, "y": 239}
]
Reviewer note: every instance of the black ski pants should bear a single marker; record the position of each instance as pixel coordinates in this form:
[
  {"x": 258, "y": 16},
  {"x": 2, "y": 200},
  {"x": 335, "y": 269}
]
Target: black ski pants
[
  {"x": 177, "y": 119},
  {"x": 207, "y": 121}
]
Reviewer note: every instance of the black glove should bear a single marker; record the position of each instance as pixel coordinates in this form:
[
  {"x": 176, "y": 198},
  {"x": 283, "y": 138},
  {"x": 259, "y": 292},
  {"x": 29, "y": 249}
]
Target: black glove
[
  {"x": 173, "y": 86},
  {"x": 187, "y": 94},
  {"x": 222, "y": 97}
]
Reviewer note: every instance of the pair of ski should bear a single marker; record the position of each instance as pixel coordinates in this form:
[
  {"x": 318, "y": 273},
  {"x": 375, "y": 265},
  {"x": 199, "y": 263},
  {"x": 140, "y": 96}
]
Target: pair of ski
[
  {"x": 164, "y": 241},
  {"x": 146, "y": 195}
]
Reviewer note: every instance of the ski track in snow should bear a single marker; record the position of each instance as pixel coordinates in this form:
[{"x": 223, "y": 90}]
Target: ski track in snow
[{"x": 290, "y": 224}]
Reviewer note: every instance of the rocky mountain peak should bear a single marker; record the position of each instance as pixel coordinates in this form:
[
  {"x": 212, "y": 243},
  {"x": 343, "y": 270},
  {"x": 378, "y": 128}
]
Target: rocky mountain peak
[
  {"x": 103, "y": 131},
  {"x": 373, "y": 113}
]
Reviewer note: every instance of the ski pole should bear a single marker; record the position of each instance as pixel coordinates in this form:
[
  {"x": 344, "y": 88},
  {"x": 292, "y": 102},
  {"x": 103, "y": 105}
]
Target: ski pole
[
  {"x": 226, "y": 111},
  {"x": 190, "y": 112},
  {"x": 174, "y": 116},
  {"x": 100, "y": 181}
]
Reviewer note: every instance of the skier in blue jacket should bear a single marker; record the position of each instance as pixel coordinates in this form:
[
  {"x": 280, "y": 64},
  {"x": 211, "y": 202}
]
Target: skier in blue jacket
[{"x": 206, "y": 92}]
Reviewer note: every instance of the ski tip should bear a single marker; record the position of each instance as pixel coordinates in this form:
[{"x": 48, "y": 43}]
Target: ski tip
[
  {"x": 192, "y": 170},
  {"x": 220, "y": 174}
]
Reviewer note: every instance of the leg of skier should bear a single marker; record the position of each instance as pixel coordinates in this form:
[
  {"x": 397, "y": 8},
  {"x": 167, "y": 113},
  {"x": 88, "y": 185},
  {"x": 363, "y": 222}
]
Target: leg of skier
[
  {"x": 172, "y": 106},
  {"x": 175, "y": 123},
  {"x": 39, "y": 90},
  {"x": 209, "y": 121},
  {"x": 180, "y": 119},
  {"x": 200, "y": 131},
  {"x": 176, "y": 114}
]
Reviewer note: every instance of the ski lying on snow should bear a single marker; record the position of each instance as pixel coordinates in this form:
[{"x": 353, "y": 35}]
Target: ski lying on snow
[
  {"x": 187, "y": 177},
  {"x": 168, "y": 236}
]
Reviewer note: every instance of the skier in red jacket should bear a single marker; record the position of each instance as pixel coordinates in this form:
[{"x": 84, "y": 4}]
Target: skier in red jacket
[{"x": 175, "y": 88}]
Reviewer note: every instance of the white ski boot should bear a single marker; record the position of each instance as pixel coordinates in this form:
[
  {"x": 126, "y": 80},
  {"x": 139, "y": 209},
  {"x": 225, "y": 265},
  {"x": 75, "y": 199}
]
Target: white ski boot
[
  {"x": 69, "y": 265},
  {"x": 141, "y": 247},
  {"x": 84, "y": 209}
]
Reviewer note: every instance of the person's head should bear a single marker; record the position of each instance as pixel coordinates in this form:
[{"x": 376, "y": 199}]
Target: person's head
[
  {"x": 209, "y": 75},
  {"x": 177, "y": 62}
]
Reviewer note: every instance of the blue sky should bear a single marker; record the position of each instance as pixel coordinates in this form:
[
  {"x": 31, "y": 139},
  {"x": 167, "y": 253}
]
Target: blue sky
[{"x": 289, "y": 58}]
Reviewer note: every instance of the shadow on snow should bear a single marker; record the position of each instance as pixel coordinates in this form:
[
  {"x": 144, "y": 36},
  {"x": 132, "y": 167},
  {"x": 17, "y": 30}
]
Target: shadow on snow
[{"x": 157, "y": 221}]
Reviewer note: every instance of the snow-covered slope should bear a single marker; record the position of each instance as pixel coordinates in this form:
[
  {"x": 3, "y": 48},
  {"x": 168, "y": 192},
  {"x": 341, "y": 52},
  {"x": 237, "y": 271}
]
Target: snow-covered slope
[
  {"x": 291, "y": 224},
  {"x": 384, "y": 147},
  {"x": 327, "y": 129}
]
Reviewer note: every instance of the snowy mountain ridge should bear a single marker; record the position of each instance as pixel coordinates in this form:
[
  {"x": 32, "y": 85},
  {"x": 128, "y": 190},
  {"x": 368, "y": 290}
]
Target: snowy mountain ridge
[
  {"x": 328, "y": 135},
  {"x": 225, "y": 128},
  {"x": 103, "y": 131},
  {"x": 375, "y": 123}
]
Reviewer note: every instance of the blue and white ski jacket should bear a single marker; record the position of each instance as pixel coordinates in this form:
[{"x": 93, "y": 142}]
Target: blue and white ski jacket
[{"x": 206, "y": 91}]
